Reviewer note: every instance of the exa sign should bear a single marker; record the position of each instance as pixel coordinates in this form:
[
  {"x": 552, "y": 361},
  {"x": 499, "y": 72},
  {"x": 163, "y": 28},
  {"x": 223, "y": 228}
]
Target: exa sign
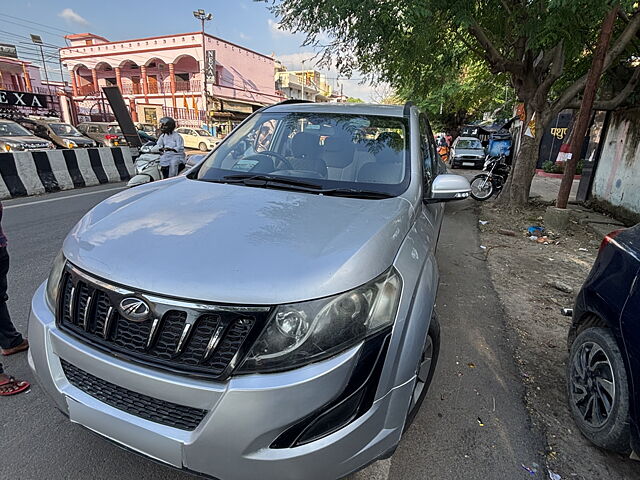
[{"x": 22, "y": 99}]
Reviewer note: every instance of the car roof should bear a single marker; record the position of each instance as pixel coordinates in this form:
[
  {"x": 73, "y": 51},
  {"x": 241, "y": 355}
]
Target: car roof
[
  {"x": 468, "y": 138},
  {"x": 343, "y": 108}
]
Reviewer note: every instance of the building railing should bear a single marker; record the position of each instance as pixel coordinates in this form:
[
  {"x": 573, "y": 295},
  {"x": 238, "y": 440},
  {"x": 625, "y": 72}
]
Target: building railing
[{"x": 185, "y": 114}]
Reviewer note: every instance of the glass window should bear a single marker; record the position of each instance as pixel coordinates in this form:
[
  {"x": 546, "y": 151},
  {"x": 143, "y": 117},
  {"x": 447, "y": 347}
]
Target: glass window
[
  {"x": 429, "y": 163},
  {"x": 114, "y": 129},
  {"x": 326, "y": 150},
  {"x": 469, "y": 144},
  {"x": 10, "y": 129},
  {"x": 203, "y": 133},
  {"x": 64, "y": 129}
]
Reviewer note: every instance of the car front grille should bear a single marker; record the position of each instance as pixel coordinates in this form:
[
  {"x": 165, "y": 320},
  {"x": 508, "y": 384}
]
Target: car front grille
[
  {"x": 134, "y": 403},
  {"x": 182, "y": 337}
]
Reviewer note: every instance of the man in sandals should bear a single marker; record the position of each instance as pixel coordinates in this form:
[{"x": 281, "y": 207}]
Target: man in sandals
[{"x": 11, "y": 340}]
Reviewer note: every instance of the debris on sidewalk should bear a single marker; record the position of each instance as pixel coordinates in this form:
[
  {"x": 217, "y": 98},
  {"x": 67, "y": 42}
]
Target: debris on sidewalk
[
  {"x": 554, "y": 476},
  {"x": 563, "y": 287},
  {"x": 471, "y": 365},
  {"x": 508, "y": 233},
  {"x": 582, "y": 249},
  {"x": 480, "y": 422},
  {"x": 483, "y": 222},
  {"x": 532, "y": 470},
  {"x": 535, "y": 231},
  {"x": 483, "y": 247}
]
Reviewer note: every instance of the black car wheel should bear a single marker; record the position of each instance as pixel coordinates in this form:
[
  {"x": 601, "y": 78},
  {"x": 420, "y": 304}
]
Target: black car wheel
[
  {"x": 425, "y": 369},
  {"x": 598, "y": 390}
]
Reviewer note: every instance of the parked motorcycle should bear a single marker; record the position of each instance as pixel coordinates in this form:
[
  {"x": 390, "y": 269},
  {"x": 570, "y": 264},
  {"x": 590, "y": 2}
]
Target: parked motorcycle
[
  {"x": 484, "y": 185},
  {"x": 147, "y": 166}
]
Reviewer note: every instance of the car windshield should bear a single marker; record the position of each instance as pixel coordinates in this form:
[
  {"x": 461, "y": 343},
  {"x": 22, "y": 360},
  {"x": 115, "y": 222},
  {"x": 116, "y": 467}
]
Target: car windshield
[
  {"x": 8, "y": 129},
  {"x": 203, "y": 133},
  {"x": 469, "y": 144},
  {"x": 64, "y": 129},
  {"x": 115, "y": 129},
  {"x": 327, "y": 151}
]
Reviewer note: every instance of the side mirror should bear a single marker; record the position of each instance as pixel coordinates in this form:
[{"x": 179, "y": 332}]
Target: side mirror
[{"x": 447, "y": 187}]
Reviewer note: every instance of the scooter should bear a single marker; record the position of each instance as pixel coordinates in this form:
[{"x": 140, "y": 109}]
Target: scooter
[{"x": 147, "y": 166}]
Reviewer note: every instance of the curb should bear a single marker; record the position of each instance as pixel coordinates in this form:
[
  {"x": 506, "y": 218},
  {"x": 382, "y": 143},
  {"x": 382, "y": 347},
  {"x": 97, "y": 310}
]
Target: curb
[
  {"x": 34, "y": 173},
  {"x": 542, "y": 173}
]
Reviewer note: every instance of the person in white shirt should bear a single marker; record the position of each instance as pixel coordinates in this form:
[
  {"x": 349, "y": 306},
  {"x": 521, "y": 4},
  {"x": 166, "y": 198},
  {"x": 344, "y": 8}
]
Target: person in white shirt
[{"x": 172, "y": 146}]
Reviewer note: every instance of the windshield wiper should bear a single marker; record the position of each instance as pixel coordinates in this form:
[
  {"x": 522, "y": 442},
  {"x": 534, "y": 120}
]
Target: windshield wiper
[
  {"x": 355, "y": 193},
  {"x": 267, "y": 180}
]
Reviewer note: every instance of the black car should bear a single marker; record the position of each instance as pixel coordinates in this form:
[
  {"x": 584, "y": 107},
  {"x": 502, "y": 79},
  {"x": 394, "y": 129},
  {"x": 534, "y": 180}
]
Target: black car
[{"x": 603, "y": 370}]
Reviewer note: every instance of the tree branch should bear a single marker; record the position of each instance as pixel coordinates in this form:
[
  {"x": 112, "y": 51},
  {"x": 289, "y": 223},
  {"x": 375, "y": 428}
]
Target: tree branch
[
  {"x": 625, "y": 37},
  {"x": 492, "y": 55},
  {"x": 616, "y": 101},
  {"x": 555, "y": 65}
]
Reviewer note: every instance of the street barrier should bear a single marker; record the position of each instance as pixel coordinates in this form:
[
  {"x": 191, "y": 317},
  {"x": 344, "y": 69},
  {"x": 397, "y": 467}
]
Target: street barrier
[{"x": 35, "y": 173}]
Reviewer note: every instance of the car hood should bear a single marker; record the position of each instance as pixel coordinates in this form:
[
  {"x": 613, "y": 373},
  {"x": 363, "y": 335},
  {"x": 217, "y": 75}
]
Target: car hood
[
  {"x": 235, "y": 244},
  {"x": 78, "y": 140},
  {"x": 469, "y": 151}
]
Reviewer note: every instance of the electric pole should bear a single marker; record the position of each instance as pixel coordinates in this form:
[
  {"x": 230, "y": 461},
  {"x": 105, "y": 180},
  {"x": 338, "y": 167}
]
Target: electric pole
[
  {"x": 204, "y": 17},
  {"x": 582, "y": 122}
]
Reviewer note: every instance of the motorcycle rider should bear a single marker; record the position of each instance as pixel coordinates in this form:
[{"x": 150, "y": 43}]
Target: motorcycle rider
[{"x": 171, "y": 145}]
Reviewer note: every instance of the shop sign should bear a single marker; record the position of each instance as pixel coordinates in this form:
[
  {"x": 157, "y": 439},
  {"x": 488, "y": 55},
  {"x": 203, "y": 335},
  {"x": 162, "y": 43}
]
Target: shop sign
[
  {"x": 22, "y": 99},
  {"x": 7, "y": 50}
]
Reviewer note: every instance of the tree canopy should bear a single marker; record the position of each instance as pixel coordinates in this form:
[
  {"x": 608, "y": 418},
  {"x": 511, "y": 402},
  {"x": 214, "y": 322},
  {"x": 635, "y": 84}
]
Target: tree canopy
[{"x": 422, "y": 48}]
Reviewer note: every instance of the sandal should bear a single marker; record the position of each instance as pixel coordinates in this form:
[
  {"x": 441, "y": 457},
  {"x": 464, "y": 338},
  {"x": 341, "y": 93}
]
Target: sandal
[
  {"x": 13, "y": 387},
  {"x": 17, "y": 349}
]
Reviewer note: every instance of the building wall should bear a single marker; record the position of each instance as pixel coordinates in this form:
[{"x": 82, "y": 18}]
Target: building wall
[{"x": 617, "y": 178}]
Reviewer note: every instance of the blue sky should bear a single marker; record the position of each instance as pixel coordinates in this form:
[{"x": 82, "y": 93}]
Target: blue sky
[{"x": 245, "y": 22}]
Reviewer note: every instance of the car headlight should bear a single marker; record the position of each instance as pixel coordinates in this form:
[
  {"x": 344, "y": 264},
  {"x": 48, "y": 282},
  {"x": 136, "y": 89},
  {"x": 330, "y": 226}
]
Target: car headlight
[
  {"x": 53, "y": 282},
  {"x": 14, "y": 146},
  {"x": 301, "y": 333},
  {"x": 70, "y": 144}
]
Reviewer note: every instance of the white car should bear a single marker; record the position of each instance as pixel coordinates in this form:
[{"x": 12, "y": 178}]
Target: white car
[{"x": 198, "y": 138}]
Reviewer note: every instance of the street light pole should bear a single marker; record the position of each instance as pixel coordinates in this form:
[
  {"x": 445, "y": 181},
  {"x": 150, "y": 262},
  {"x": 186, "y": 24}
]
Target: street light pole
[
  {"x": 204, "y": 17},
  {"x": 304, "y": 79}
]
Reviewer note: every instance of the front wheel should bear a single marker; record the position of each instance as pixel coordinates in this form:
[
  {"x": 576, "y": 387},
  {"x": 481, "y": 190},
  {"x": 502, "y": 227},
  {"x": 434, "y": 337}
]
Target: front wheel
[
  {"x": 481, "y": 187},
  {"x": 203, "y": 147},
  {"x": 598, "y": 390},
  {"x": 425, "y": 369}
]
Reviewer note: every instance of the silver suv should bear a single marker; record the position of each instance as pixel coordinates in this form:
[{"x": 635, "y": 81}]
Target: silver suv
[{"x": 297, "y": 337}]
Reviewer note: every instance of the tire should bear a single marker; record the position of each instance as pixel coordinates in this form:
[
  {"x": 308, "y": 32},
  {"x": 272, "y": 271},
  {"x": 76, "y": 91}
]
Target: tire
[
  {"x": 202, "y": 147},
  {"x": 483, "y": 187},
  {"x": 600, "y": 410},
  {"x": 423, "y": 379}
]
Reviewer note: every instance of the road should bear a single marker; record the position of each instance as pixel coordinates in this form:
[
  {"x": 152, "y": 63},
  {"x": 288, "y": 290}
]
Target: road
[{"x": 472, "y": 424}]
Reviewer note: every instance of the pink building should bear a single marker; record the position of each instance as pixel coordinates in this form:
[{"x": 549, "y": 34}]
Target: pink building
[{"x": 164, "y": 76}]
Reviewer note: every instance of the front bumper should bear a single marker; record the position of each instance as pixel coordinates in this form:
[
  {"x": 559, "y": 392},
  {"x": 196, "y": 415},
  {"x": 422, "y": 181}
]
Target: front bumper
[
  {"x": 468, "y": 162},
  {"x": 245, "y": 414}
]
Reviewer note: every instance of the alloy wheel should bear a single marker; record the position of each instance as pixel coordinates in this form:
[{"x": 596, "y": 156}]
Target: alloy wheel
[
  {"x": 422, "y": 375},
  {"x": 592, "y": 384}
]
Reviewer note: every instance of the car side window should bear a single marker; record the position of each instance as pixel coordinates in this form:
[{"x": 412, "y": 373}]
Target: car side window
[{"x": 427, "y": 150}]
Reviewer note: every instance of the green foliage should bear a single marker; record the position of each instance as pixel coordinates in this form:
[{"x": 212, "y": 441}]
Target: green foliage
[{"x": 354, "y": 100}]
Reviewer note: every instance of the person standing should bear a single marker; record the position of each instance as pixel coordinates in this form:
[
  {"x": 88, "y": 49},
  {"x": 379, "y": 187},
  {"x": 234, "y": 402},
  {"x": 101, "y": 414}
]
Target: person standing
[
  {"x": 11, "y": 341},
  {"x": 171, "y": 145}
]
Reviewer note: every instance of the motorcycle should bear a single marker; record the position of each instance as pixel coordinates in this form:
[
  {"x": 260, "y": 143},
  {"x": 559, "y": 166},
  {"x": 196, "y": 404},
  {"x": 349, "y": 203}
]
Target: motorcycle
[
  {"x": 147, "y": 166},
  {"x": 484, "y": 185}
]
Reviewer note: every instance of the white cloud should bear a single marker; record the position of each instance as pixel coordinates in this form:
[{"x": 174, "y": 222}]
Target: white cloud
[
  {"x": 276, "y": 28},
  {"x": 69, "y": 15}
]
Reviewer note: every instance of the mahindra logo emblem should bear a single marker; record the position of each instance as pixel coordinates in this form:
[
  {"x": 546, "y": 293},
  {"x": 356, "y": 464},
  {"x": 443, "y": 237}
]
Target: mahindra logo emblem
[{"x": 134, "y": 309}]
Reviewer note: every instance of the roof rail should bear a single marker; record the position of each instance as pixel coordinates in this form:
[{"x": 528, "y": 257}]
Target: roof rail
[
  {"x": 291, "y": 101},
  {"x": 407, "y": 109}
]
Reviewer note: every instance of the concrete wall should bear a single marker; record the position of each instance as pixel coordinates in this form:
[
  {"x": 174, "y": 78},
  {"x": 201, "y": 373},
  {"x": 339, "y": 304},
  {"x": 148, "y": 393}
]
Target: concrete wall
[
  {"x": 617, "y": 179},
  {"x": 35, "y": 173}
]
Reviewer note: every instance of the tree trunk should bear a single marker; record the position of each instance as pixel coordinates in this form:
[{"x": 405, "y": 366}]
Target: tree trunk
[{"x": 518, "y": 186}]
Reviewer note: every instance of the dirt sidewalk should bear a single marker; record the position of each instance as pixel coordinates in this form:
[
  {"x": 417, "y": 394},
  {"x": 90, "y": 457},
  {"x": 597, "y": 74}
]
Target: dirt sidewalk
[{"x": 523, "y": 273}]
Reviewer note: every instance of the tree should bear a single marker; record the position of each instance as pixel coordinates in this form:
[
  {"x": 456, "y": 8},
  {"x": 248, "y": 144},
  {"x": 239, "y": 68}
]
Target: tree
[
  {"x": 354, "y": 100},
  {"x": 542, "y": 46}
]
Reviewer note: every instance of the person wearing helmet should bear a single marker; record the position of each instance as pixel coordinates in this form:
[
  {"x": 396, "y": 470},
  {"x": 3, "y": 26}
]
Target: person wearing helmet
[{"x": 171, "y": 145}]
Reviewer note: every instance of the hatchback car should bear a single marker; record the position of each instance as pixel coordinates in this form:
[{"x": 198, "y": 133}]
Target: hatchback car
[
  {"x": 297, "y": 337},
  {"x": 16, "y": 138},
  {"x": 603, "y": 370},
  {"x": 106, "y": 134},
  {"x": 467, "y": 152},
  {"x": 198, "y": 138}
]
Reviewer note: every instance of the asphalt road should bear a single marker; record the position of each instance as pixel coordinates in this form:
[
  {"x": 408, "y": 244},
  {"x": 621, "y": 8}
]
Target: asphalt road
[{"x": 472, "y": 424}]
